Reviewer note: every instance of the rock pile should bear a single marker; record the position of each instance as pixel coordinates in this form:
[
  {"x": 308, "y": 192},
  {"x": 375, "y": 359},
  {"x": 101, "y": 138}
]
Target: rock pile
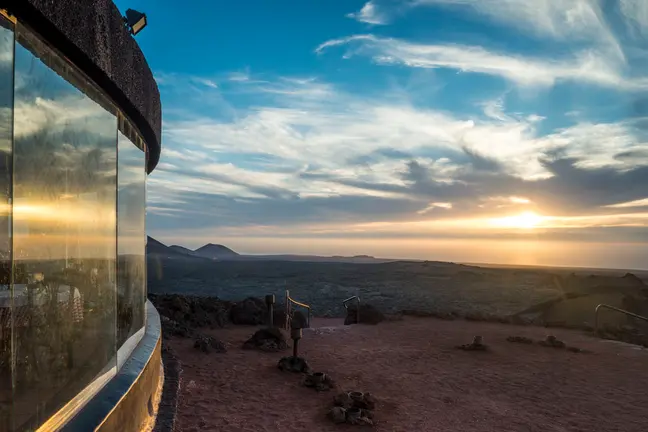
[
  {"x": 553, "y": 342},
  {"x": 356, "y": 408},
  {"x": 251, "y": 311},
  {"x": 476, "y": 345},
  {"x": 294, "y": 364},
  {"x": 269, "y": 339},
  {"x": 173, "y": 328},
  {"x": 207, "y": 343},
  {"x": 319, "y": 381},
  {"x": 520, "y": 339},
  {"x": 193, "y": 311},
  {"x": 368, "y": 314}
]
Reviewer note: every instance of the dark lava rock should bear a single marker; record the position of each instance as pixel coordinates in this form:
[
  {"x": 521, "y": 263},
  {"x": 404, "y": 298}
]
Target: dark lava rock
[
  {"x": 251, "y": 311},
  {"x": 551, "y": 341},
  {"x": 351, "y": 399},
  {"x": 294, "y": 364},
  {"x": 319, "y": 381},
  {"x": 476, "y": 345},
  {"x": 337, "y": 414},
  {"x": 520, "y": 339},
  {"x": 357, "y": 406},
  {"x": 207, "y": 344},
  {"x": 193, "y": 311},
  {"x": 267, "y": 339},
  {"x": 368, "y": 314},
  {"x": 173, "y": 328}
]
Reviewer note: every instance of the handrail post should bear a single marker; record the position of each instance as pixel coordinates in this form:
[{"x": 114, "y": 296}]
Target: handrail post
[{"x": 287, "y": 323}]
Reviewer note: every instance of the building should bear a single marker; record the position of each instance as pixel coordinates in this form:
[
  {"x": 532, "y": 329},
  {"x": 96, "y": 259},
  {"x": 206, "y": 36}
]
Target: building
[{"x": 79, "y": 131}]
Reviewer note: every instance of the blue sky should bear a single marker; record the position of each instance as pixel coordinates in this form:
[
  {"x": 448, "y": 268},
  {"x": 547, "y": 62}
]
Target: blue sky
[{"x": 322, "y": 126}]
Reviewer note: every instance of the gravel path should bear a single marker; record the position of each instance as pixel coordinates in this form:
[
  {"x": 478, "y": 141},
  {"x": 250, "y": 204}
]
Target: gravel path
[{"x": 421, "y": 382}]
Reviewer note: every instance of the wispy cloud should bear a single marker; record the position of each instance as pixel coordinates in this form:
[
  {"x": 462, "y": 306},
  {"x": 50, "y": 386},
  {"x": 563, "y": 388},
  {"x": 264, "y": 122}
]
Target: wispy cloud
[
  {"x": 636, "y": 14},
  {"x": 311, "y": 153},
  {"x": 562, "y": 20},
  {"x": 585, "y": 66},
  {"x": 369, "y": 14}
]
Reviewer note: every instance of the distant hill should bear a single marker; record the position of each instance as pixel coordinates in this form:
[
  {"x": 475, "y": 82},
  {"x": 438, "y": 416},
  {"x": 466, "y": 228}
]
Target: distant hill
[
  {"x": 217, "y": 251},
  {"x": 223, "y": 253},
  {"x": 155, "y": 247},
  {"x": 182, "y": 250}
]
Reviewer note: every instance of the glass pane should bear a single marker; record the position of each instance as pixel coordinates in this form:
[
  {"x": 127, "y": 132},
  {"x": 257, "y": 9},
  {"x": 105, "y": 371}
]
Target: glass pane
[
  {"x": 6, "y": 105},
  {"x": 64, "y": 226},
  {"x": 131, "y": 240}
]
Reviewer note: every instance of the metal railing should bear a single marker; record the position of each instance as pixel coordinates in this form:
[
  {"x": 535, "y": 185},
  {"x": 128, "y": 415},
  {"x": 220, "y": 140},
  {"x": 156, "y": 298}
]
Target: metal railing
[
  {"x": 289, "y": 302},
  {"x": 602, "y": 305},
  {"x": 345, "y": 302}
]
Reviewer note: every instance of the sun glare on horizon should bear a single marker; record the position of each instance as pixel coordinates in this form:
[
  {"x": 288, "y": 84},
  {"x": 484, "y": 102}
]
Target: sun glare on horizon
[{"x": 525, "y": 220}]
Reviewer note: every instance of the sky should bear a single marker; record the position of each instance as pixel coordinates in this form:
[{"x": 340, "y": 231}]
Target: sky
[{"x": 500, "y": 131}]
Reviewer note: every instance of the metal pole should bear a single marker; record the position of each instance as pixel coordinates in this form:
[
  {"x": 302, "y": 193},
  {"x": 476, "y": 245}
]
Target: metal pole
[
  {"x": 358, "y": 311},
  {"x": 296, "y": 334},
  {"x": 287, "y": 324},
  {"x": 295, "y": 343},
  {"x": 270, "y": 300}
]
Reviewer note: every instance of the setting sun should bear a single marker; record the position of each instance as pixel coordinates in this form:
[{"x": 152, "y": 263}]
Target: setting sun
[{"x": 524, "y": 220}]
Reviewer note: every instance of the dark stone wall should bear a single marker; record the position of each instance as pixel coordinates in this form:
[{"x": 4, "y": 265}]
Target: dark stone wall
[{"x": 91, "y": 34}]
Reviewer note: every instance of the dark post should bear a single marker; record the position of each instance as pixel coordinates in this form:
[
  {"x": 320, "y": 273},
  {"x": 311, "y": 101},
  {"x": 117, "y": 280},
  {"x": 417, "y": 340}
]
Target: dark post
[
  {"x": 270, "y": 300},
  {"x": 295, "y": 334}
]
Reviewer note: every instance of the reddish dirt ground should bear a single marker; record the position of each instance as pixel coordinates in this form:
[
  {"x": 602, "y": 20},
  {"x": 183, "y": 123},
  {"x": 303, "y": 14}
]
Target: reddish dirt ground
[{"x": 421, "y": 381}]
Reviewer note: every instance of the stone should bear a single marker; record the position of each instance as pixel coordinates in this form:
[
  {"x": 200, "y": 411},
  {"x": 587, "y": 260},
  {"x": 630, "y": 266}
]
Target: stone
[
  {"x": 173, "y": 328},
  {"x": 368, "y": 314},
  {"x": 552, "y": 341},
  {"x": 520, "y": 339},
  {"x": 358, "y": 406},
  {"x": 294, "y": 364},
  {"x": 343, "y": 400},
  {"x": 337, "y": 414},
  {"x": 476, "y": 345},
  {"x": 319, "y": 381},
  {"x": 269, "y": 339},
  {"x": 251, "y": 311},
  {"x": 207, "y": 344},
  {"x": 193, "y": 311}
]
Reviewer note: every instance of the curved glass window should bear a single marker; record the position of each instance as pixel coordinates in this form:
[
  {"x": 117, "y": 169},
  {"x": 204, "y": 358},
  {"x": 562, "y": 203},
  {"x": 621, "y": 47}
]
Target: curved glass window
[
  {"x": 72, "y": 235},
  {"x": 6, "y": 318},
  {"x": 64, "y": 210},
  {"x": 131, "y": 243}
]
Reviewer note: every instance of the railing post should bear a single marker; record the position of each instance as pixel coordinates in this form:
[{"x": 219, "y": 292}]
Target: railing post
[
  {"x": 287, "y": 323},
  {"x": 358, "y": 310},
  {"x": 270, "y": 300}
]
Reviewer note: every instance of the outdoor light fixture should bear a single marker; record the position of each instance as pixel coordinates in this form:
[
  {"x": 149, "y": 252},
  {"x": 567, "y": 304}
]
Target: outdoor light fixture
[{"x": 135, "y": 21}]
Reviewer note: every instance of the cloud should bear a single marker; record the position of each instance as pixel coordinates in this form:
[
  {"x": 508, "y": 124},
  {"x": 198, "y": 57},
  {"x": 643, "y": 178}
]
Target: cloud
[
  {"x": 636, "y": 15},
  {"x": 369, "y": 14},
  {"x": 310, "y": 156},
  {"x": 566, "y": 20},
  {"x": 585, "y": 66},
  {"x": 561, "y": 20}
]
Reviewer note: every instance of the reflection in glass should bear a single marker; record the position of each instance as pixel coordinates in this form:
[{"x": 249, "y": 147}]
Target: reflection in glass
[
  {"x": 131, "y": 240},
  {"x": 64, "y": 232},
  {"x": 6, "y": 105}
]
